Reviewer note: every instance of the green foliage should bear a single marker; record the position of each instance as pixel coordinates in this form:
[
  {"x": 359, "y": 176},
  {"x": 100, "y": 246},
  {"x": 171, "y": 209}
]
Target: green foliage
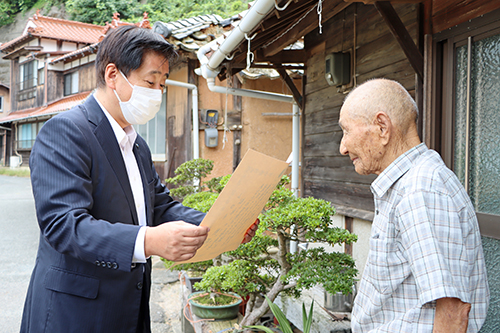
[
  {"x": 201, "y": 201},
  {"x": 101, "y": 11},
  {"x": 195, "y": 267},
  {"x": 8, "y": 9},
  {"x": 173, "y": 10},
  {"x": 215, "y": 299},
  {"x": 284, "y": 324},
  {"x": 239, "y": 276},
  {"x": 265, "y": 263},
  {"x": 188, "y": 177}
]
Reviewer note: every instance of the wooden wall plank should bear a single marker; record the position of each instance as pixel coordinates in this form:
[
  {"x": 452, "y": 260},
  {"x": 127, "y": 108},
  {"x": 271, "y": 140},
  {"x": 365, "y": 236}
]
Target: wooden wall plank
[
  {"x": 345, "y": 194},
  {"x": 326, "y": 173},
  {"x": 448, "y": 13},
  {"x": 334, "y": 168}
]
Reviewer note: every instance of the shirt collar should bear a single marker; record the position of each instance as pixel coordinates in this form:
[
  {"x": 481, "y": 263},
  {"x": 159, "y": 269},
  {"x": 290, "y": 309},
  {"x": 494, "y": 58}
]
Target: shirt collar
[
  {"x": 396, "y": 170},
  {"x": 125, "y": 136}
]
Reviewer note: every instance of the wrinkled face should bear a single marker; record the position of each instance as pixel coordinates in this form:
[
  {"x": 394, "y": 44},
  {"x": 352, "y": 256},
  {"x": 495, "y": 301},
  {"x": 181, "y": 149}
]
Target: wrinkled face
[{"x": 361, "y": 142}]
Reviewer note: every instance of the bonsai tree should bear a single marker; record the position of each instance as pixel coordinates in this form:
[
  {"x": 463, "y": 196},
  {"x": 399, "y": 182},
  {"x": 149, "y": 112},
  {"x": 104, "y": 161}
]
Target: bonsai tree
[
  {"x": 266, "y": 266},
  {"x": 194, "y": 192}
]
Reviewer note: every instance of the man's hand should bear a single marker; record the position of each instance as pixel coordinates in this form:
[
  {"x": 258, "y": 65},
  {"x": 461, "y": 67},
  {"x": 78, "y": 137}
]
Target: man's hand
[
  {"x": 174, "y": 241},
  {"x": 452, "y": 315},
  {"x": 250, "y": 232}
]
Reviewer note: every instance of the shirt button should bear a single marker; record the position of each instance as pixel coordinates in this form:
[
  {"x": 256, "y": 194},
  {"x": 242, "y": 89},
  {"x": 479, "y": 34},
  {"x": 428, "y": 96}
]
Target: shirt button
[{"x": 139, "y": 285}]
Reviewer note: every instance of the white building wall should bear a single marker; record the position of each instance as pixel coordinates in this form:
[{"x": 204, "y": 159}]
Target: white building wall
[
  {"x": 322, "y": 320},
  {"x": 49, "y": 45},
  {"x": 67, "y": 46}
]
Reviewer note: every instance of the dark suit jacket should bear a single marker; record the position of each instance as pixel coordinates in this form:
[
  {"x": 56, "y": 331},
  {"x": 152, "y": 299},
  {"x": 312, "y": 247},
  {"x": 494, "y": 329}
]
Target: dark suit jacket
[{"x": 83, "y": 280}]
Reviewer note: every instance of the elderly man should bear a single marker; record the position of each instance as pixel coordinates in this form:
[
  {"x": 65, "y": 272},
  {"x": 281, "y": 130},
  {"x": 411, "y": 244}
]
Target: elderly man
[{"x": 425, "y": 270}]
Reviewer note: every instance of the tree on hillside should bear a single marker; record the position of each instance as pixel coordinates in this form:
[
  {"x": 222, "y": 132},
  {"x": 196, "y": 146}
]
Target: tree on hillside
[
  {"x": 101, "y": 11},
  {"x": 8, "y": 9}
]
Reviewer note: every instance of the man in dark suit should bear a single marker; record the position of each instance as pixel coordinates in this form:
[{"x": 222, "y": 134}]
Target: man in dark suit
[{"x": 100, "y": 204}]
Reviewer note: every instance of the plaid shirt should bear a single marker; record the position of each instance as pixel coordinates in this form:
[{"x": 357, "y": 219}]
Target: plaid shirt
[{"x": 425, "y": 245}]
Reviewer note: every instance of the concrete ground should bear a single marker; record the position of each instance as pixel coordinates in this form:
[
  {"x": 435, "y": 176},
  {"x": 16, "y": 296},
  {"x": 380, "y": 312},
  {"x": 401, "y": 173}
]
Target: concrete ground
[{"x": 18, "y": 246}]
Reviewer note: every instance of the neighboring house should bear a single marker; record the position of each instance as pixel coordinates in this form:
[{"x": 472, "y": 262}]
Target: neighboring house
[
  {"x": 46, "y": 78},
  {"x": 446, "y": 53},
  {"x": 4, "y": 131},
  {"x": 41, "y": 88}
]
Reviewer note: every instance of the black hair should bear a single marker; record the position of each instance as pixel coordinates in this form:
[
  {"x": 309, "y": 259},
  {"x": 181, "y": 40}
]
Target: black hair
[{"x": 126, "y": 46}]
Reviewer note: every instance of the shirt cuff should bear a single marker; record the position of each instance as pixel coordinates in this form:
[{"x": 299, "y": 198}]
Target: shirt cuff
[{"x": 139, "y": 254}]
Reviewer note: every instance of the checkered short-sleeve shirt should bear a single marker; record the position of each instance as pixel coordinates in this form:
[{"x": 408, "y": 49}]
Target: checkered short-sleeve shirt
[{"x": 425, "y": 245}]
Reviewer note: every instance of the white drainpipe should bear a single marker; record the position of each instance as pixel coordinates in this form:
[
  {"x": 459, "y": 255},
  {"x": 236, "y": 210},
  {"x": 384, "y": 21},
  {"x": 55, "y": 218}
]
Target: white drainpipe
[
  {"x": 210, "y": 70},
  {"x": 196, "y": 126},
  {"x": 254, "y": 16},
  {"x": 248, "y": 93}
]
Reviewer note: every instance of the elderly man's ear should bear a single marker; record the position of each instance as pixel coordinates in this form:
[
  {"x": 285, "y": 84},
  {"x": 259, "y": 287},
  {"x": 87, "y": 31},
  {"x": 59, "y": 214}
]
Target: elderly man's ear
[{"x": 384, "y": 126}]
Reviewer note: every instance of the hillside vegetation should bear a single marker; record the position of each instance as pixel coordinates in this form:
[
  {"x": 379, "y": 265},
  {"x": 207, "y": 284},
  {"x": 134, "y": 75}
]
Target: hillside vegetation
[{"x": 101, "y": 11}]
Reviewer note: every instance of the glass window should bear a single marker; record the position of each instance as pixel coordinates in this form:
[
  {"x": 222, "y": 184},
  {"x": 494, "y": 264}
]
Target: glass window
[
  {"x": 481, "y": 144},
  {"x": 28, "y": 75},
  {"x": 70, "y": 83},
  {"x": 154, "y": 132},
  {"x": 41, "y": 76},
  {"x": 27, "y": 133}
]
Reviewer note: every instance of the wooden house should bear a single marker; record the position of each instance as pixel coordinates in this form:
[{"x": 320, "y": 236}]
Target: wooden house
[
  {"x": 42, "y": 86},
  {"x": 446, "y": 53},
  {"x": 4, "y": 131}
]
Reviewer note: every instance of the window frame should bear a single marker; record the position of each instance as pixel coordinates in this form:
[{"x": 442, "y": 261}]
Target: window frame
[
  {"x": 443, "y": 140},
  {"x": 70, "y": 77}
]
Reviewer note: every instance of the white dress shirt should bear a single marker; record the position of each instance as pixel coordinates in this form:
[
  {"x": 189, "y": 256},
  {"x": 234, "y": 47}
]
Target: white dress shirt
[{"x": 126, "y": 140}]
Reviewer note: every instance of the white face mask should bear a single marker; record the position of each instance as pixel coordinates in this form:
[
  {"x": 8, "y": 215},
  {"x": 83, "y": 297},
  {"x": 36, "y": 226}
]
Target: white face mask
[{"x": 143, "y": 105}]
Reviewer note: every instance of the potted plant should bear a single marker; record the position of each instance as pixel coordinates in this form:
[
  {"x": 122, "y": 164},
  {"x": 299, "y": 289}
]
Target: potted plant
[
  {"x": 266, "y": 266},
  {"x": 196, "y": 193},
  {"x": 220, "y": 306}
]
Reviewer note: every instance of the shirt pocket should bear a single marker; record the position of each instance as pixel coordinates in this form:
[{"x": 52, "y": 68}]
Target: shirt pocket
[{"x": 387, "y": 267}]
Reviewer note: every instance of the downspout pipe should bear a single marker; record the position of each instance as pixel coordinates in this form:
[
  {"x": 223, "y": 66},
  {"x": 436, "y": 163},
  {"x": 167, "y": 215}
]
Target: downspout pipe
[
  {"x": 248, "y": 93},
  {"x": 196, "y": 125},
  {"x": 254, "y": 16}
]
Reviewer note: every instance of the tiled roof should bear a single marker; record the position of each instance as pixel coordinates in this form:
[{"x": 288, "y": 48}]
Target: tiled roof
[
  {"x": 55, "y": 28},
  {"x": 83, "y": 51},
  {"x": 60, "y": 105},
  {"x": 192, "y": 33}
]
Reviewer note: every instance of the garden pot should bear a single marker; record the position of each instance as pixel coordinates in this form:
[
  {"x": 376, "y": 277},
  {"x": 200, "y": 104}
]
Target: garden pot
[
  {"x": 214, "y": 311},
  {"x": 190, "y": 281}
]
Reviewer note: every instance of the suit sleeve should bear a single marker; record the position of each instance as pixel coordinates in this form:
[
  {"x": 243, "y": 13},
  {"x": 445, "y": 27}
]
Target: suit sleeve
[
  {"x": 165, "y": 209},
  {"x": 63, "y": 171}
]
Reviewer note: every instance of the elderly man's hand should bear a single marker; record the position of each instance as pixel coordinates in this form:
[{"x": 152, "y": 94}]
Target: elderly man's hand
[
  {"x": 174, "y": 241},
  {"x": 452, "y": 316},
  {"x": 251, "y": 232}
]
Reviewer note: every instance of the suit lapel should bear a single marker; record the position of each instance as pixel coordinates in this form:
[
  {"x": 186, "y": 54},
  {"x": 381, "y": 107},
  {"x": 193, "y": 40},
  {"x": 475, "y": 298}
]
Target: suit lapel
[
  {"x": 107, "y": 139},
  {"x": 138, "y": 149}
]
